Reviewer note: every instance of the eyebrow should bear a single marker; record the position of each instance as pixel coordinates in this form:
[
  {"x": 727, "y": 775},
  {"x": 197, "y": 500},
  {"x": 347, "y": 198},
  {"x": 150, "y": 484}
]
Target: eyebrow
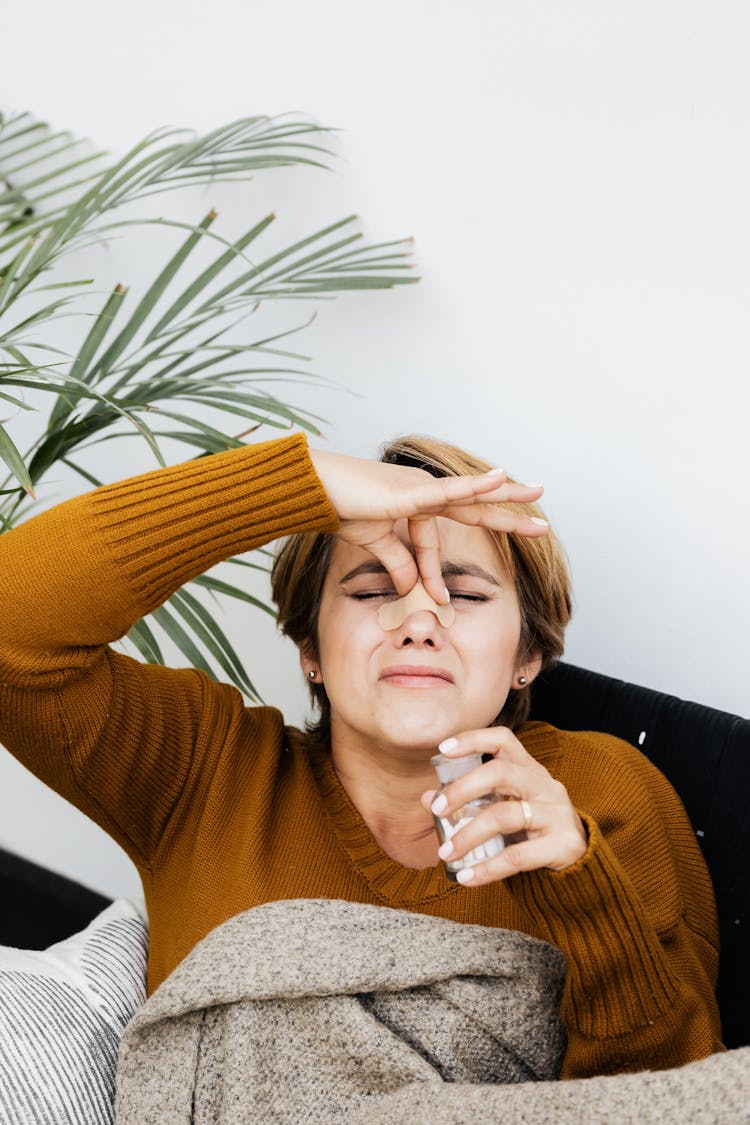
[{"x": 457, "y": 569}]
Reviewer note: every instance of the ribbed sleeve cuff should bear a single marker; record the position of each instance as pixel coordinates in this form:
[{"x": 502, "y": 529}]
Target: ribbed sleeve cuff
[
  {"x": 169, "y": 526},
  {"x": 618, "y": 976}
]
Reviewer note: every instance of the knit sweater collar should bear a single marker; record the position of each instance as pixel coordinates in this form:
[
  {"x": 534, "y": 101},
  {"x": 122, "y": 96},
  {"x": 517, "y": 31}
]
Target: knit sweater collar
[{"x": 389, "y": 880}]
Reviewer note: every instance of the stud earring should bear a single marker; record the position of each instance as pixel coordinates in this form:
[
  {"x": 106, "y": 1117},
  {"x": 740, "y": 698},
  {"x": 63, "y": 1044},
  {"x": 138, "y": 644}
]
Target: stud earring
[
  {"x": 522, "y": 680},
  {"x": 312, "y": 674}
]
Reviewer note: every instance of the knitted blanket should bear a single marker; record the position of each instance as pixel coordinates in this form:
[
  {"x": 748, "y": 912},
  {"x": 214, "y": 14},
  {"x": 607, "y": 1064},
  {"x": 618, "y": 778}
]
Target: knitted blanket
[
  {"x": 337, "y": 1012},
  {"x": 314, "y": 1010}
]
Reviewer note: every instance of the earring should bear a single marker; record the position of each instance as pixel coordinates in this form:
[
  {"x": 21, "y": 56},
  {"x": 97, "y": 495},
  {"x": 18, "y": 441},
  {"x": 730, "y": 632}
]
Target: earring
[
  {"x": 312, "y": 674},
  {"x": 522, "y": 680}
]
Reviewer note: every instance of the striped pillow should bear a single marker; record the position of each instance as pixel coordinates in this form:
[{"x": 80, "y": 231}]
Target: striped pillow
[{"x": 62, "y": 1013}]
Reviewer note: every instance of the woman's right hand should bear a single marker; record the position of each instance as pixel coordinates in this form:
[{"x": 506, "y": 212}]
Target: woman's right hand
[{"x": 371, "y": 496}]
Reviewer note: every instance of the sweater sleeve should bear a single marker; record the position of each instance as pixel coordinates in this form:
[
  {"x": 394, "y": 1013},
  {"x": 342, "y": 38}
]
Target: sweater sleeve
[
  {"x": 635, "y": 917},
  {"x": 116, "y": 737}
]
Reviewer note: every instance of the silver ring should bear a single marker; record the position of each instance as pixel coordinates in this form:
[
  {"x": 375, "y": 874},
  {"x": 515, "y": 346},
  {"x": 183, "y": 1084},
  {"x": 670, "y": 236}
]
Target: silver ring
[{"x": 528, "y": 816}]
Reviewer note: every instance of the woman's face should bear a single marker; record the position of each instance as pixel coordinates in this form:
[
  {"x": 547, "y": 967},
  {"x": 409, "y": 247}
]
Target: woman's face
[{"x": 413, "y": 686}]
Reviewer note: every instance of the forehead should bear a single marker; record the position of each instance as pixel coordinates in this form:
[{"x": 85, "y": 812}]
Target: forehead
[{"x": 458, "y": 543}]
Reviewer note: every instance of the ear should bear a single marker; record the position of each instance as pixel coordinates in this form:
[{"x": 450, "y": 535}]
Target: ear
[
  {"x": 307, "y": 658},
  {"x": 530, "y": 669}
]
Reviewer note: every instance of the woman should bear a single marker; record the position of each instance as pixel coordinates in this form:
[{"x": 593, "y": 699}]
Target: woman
[{"x": 222, "y": 808}]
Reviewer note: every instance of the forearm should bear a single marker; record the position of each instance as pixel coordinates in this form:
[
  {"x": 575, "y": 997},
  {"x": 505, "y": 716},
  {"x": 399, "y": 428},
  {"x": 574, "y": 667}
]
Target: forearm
[
  {"x": 82, "y": 573},
  {"x": 112, "y": 735},
  {"x": 635, "y": 999}
]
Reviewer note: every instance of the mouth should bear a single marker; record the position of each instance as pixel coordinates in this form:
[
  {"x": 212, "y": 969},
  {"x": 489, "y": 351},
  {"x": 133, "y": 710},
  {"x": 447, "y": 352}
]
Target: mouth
[{"x": 416, "y": 675}]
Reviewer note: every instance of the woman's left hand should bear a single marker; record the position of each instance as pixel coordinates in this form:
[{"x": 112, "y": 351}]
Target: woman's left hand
[{"x": 552, "y": 833}]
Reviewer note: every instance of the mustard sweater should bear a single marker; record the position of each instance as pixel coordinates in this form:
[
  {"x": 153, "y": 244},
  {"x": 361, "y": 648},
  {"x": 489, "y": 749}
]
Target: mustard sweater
[{"x": 222, "y": 808}]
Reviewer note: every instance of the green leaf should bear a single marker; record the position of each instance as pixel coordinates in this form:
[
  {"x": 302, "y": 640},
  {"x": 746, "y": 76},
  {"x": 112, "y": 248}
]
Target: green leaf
[
  {"x": 49, "y": 152},
  {"x": 29, "y": 224},
  {"x": 45, "y": 142},
  {"x": 81, "y": 472},
  {"x": 54, "y": 174},
  {"x": 177, "y": 634},
  {"x": 6, "y": 281},
  {"x": 264, "y": 551},
  {"x": 291, "y": 268},
  {"x": 15, "y": 401},
  {"x": 278, "y": 257},
  {"x": 65, "y": 284},
  {"x": 32, "y": 127},
  {"x": 218, "y": 587},
  {"x": 59, "y": 442},
  {"x": 230, "y": 400},
  {"x": 141, "y": 636},
  {"x": 15, "y": 462},
  {"x": 152, "y": 295},
  {"x": 207, "y": 444},
  {"x": 208, "y": 631},
  {"x": 225, "y": 441},
  {"x": 40, "y": 315},
  {"x": 99, "y": 329},
  {"x": 136, "y": 365},
  {"x": 79, "y": 369},
  {"x": 207, "y": 276}
]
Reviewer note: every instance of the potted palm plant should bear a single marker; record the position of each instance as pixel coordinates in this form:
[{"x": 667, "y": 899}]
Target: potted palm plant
[{"x": 165, "y": 362}]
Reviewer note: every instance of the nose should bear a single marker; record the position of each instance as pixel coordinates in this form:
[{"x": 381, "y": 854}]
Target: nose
[{"x": 421, "y": 628}]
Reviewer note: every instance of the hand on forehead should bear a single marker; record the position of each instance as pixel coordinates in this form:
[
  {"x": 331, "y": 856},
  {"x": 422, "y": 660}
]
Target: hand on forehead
[{"x": 393, "y": 614}]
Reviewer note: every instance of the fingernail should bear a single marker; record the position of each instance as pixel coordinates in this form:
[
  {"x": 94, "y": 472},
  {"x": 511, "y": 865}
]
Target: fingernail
[
  {"x": 447, "y": 593},
  {"x": 495, "y": 473},
  {"x": 465, "y": 875},
  {"x": 534, "y": 484},
  {"x": 439, "y": 805},
  {"x": 445, "y": 851},
  {"x": 447, "y": 745},
  {"x": 536, "y": 519}
]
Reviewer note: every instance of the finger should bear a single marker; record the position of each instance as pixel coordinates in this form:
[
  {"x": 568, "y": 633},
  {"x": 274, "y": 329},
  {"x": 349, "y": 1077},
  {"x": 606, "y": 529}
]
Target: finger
[
  {"x": 430, "y": 494},
  {"x": 419, "y": 493},
  {"x": 503, "y": 778},
  {"x": 472, "y": 500},
  {"x": 427, "y": 798},
  {"x": 508, "y": 491},
  {"x": 438, "y": 493},
  {"x": 496, "y": 519},
  {"x": 498, "y": 741},
  {"x": 425, "y": 539},
  {"x": 397, "y": 560},
  {"x": 545, "y": 851},
  {"x": 503, "y": 818},
  {"x": 465, "y": 487}
]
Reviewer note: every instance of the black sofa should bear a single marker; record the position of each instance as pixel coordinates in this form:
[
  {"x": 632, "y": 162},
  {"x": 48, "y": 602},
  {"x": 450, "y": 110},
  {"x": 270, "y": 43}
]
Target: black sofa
[{"x": 705, "y": 753}]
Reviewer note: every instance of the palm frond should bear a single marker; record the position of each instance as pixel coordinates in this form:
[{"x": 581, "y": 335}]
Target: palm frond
[{"x": 174, "y": 360}]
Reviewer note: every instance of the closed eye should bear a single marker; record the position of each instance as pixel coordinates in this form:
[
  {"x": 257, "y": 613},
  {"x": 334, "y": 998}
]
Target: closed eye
[
  {"x": 370, "y": 595},
  {"x": 456, "y": 596}
]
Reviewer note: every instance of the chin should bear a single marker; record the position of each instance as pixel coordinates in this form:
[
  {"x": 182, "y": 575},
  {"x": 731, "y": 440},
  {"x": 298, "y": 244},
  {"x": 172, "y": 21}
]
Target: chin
[{"x": 420, "y": 733}]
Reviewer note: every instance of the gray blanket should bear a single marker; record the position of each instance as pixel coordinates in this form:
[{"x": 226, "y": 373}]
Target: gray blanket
[
  {"x": 329, "y": 1011},
  {"x": 310, "y": 1010}
]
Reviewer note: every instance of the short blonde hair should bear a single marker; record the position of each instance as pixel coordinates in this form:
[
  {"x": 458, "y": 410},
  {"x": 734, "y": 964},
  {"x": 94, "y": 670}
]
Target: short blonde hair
[{"x": 537, "y": 567}]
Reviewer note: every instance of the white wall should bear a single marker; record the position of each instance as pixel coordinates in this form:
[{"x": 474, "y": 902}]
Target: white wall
[{"x": 575, "y": 177}]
